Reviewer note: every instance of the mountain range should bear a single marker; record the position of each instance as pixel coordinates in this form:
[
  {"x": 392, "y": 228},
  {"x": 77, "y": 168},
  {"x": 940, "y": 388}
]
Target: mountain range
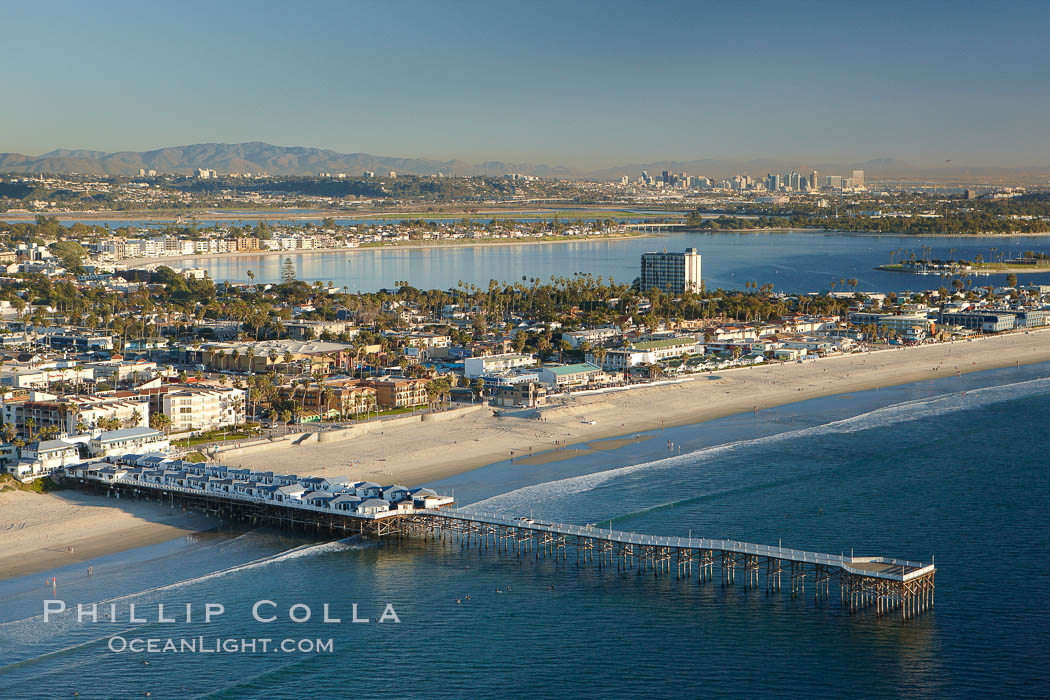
[{"x": 257, "y": 157}]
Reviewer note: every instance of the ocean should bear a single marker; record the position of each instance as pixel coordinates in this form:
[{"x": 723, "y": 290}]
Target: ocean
[
  {"x": 792, "y": 262},
  {"x": 954, "y": 468}
]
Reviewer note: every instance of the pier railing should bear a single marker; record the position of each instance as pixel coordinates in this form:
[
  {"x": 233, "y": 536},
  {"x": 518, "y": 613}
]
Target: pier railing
[{"x": 909, "y": 569}]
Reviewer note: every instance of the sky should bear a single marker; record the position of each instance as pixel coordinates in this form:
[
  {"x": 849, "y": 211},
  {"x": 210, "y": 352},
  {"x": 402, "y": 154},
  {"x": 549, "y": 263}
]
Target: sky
[{"x": 576, "y": 83}]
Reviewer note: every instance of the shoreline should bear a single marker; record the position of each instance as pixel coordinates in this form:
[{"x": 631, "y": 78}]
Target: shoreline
[
  {"x": 37, "y": 530},
  {"x": 40, "y": 527},
  {"x": 482, "y": 440},
  {"x": 135, "y": 262},
  {"x": 871, "y": 234},
  {"x": 170, "y": 216},
  {"x": 495, "y": 212},
  {"x": 978, "y": 272}
]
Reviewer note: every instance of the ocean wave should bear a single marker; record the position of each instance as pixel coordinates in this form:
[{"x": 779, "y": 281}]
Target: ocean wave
[
  {"x": 50, "y": 655},
  {"x": 522, "y": 499}
]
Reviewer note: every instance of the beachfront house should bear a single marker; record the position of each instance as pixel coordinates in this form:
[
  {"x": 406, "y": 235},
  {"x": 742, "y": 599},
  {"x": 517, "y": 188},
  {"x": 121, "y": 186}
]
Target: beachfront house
[
  {"x": 368, "y": 489},
  {"x": 111, "y": 473},
  {"x": 317, "y": 483},
  {"x": 198, "y": 483},
  {"x": 346, "y": 502},
  {"x": 319, "y": 499},
  {"x": 565, "y": 376},
  {"x": 51, "y": 455},
  {"x": 289, "y": 492},
  {"x": 128, "y": 441},
  {"x": 372, "y": 506},
  {"x": 395, "y": 493},
  {"x": 474, "y": 367}
]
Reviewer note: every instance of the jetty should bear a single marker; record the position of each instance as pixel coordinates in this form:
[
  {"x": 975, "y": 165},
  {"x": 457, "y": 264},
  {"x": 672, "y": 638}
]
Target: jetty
[{"x": 339, "y": 507}]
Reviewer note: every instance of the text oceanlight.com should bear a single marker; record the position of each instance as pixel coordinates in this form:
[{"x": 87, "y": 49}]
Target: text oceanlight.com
[
  {"x": 262, "y": 612},
  {"x": 219, "y": 645}
]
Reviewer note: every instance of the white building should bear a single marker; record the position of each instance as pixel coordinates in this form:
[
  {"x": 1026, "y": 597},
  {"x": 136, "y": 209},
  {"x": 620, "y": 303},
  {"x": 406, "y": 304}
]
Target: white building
[
  {"x": 203, "y": 408},
  {"x": 647, "y": 352},
  {"x": 128, "y": 441},
  {"x": 44, "y": 457},
  {"x": 474, "y": 367},
  {"x": 594, "y": 336},
  {"x": 559, "y": 376}
]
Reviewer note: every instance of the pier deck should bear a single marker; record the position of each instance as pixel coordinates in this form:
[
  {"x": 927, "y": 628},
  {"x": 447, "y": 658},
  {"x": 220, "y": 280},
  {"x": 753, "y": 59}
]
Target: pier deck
[
  {"x": 882, "y": 584},
  {"x": 875, "y": 567}
]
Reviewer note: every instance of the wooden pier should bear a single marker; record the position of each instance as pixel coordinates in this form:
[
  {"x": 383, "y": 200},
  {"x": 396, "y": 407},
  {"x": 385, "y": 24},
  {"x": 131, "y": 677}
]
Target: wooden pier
[{"x": 879, "y": 585}]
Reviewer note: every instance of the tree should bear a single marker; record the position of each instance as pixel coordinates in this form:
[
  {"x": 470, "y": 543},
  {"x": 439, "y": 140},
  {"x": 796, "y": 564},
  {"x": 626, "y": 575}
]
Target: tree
[
  {"x": 288, "y": 272},
  {"x": 159, "y": 421},
  {"x": 71, "y": 254},
  {"x": 108, "y": 423},
  {"x": 1011, "y": 280}
]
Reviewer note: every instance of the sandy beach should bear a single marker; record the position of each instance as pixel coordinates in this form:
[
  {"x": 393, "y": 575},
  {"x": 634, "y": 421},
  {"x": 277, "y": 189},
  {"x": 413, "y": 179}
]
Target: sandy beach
[
  {"x": 418, "y": 453},
  {"x": 36, "y": 530}
]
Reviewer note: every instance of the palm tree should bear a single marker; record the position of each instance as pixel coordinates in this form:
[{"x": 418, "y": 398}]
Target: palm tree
[
  {"x": 159, "y": 421},
  {"x": 134, "y": 419}
]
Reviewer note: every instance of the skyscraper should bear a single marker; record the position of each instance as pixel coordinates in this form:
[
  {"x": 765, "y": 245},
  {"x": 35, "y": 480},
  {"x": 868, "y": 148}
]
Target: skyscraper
[
  {"x": 857, "y": 180},
  {"x": 674, "y": 273}
]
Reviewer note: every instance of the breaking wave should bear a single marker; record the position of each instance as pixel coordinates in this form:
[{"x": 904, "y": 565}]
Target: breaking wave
[{"x": 522, "y": 499}]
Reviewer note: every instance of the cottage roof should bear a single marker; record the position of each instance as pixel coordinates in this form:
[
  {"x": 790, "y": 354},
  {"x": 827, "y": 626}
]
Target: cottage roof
[
  {"x": 53, "y": 446},
  {"x": 127, "y": 433},
  {"x": 371, "y": 503}
]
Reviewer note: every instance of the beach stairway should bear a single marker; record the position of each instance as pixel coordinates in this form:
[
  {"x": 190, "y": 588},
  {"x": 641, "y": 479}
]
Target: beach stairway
[{"x": 305, "y": 438}]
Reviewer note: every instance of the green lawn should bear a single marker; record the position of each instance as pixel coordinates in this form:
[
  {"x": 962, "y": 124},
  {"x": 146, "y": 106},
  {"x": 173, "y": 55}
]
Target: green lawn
[{"x": 216, "y": 436}]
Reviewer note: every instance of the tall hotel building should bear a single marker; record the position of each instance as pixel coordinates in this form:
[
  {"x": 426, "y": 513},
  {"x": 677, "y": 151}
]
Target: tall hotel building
[{"x": 674, "y": 273}]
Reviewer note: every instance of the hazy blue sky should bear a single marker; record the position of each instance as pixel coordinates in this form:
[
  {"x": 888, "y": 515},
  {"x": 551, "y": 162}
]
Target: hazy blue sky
[{"x": 574, "y": 83}]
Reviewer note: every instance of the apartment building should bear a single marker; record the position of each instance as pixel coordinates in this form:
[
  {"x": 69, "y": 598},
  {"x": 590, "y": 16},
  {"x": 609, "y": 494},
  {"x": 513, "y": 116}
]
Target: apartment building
[
  {"x": 343, "y": 397},
  {"x": 67, "y": 413},
  {"x": 476, "y": 366},
  {"x": 200, "y": 408},
  {"x": 398, "y": 392},
  {"x": 674, "y": 273}
]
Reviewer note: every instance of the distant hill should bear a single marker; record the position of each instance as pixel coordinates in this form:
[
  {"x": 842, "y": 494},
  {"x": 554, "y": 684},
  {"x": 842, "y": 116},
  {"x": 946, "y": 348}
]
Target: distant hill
[
  {"x": 253, "y": 157},
  {"x": 258, "y": 157}
]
